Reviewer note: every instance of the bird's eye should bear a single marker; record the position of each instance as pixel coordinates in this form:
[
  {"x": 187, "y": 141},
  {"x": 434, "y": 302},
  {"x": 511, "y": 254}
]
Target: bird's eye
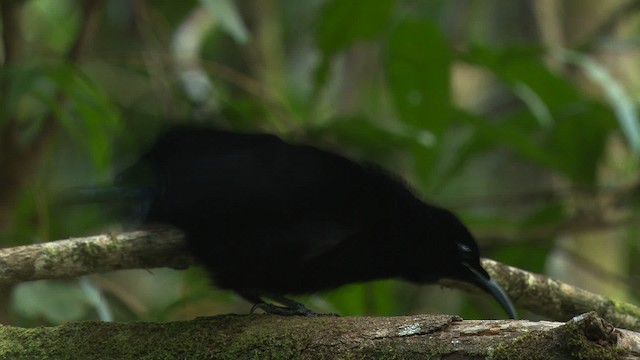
[
  {"x": 464, "y": 248},
  {"x": 465, "y": 252}
]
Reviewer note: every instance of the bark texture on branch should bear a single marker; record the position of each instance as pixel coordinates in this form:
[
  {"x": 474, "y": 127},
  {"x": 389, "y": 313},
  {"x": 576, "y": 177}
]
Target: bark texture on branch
[
  {"x": 164, "y": 247},
  {"x": 552, "y": 298},
  {"x": 277, "y": 337},
  {"x": 160, "y": 247}
]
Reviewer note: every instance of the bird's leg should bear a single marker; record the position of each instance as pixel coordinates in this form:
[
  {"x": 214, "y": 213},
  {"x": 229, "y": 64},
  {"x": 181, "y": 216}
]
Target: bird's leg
[
  {"x": 258, "y": 303},
  {"x": 290, "y": 307},
  {"x": 280, "y": 310},
  {"x": 296, "y": 307}
]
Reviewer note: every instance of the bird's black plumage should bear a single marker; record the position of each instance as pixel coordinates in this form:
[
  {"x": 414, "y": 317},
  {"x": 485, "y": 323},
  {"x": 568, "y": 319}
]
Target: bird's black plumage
[{"x": 268, "y": 218}]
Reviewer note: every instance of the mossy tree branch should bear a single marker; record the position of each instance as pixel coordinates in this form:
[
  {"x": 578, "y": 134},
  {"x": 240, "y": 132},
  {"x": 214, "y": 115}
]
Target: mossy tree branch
[
  {"x": 278, "y": 337},
  {"x": 164, "y": 247}
]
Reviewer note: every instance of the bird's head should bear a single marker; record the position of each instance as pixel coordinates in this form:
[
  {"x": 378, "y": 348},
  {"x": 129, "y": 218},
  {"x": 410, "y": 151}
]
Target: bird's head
[
  {"x": 470, "y": 270},
  {"x": 454, "y": 254}
]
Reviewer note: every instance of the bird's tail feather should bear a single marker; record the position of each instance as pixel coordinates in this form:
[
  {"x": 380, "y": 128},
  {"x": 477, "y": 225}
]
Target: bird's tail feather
[{"x": 124, "y": 203}]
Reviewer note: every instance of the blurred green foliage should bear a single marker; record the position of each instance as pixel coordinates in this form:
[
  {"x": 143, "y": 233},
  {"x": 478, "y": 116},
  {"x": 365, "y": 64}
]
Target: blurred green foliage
[{"x": 475, "y": 117}]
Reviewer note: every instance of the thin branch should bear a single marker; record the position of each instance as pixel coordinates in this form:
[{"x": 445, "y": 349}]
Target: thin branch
[
  {"x": 90, "y": 12},
  {"x": 10, "y": 11},
  {"x": 18, "y": 163},
  {"x": 10, "y": 179},
  {"x": 157, "y": 66},
  {"x": 603, "y": 274},
  {"x": 608, "y": 26},
  {"x": 253, "y": 87}
]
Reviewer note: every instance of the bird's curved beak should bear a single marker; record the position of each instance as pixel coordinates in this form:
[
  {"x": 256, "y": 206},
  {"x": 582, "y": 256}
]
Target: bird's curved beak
[{"x": 483, "y": 280}]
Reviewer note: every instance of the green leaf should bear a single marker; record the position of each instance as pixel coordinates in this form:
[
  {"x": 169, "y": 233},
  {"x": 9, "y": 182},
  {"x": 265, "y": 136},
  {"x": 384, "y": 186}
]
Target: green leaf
[
  {"x": 342, "y": 22},
  {"x": 578, "y": 142},
  {"x": 472, "y": 145},
  {"x": 225, "y": 12},
  {"x": 51, "y": 24},
  {"x": 570, "y": 130},
  {"x": 548, "y": 214},
  {"x": 320, "y": 77},
  {"x": 513, "y": 132},
  {"x": 573, "y": 147},
  {"x": 525, "y": 66},
  {"x": 620, "y": 101},
  {"x": 418, "y": 71},
  {"x": 90, "y": 117},
  {"x": 31, "y": 90},
  {"x": 365, "y": 134},
  {"x": 554, "y": 91},
  {"x": 56, "y": 301}
]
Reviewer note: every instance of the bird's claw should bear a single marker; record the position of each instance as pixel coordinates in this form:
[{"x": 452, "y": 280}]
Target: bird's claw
[{"x": 299, "y": 310}]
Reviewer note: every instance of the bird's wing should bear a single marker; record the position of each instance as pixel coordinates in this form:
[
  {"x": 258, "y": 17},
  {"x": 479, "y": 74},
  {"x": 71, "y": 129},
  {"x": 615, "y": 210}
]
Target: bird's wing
[{"x": 295, "y": 198}]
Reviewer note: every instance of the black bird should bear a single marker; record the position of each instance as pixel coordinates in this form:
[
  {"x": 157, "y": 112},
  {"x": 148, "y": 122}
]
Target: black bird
[{"x": 267, "y": 218}]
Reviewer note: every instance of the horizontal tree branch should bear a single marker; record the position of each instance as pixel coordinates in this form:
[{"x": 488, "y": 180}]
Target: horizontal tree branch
[
  {"x": 164, "y": 247},
  {"x": 557, "y": 300},
  {"x": 294, "y": 337},
  {"x": 160, "y": 247}
]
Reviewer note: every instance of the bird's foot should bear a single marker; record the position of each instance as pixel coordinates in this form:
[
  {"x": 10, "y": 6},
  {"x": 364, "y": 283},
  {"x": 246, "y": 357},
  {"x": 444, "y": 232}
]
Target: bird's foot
[
  {"x": 289, "y": 308},
  {"x": 297, "y": 310}
]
